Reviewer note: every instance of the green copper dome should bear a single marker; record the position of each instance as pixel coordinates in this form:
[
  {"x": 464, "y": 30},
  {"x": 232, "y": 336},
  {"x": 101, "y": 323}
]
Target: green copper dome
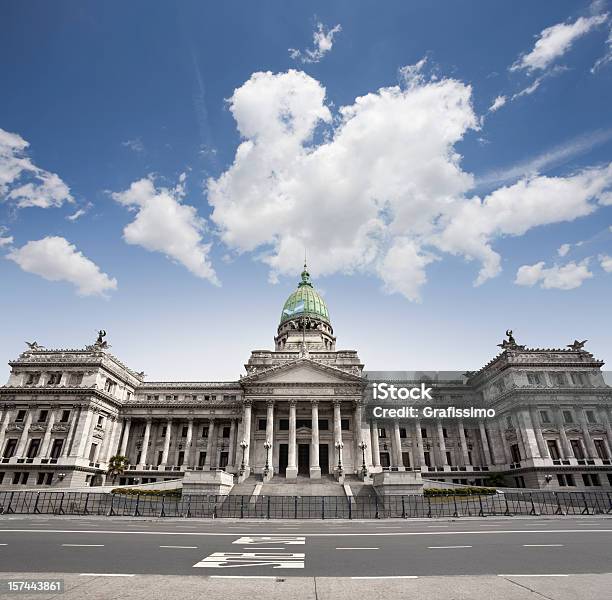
[{"x": 305, "y": 301}]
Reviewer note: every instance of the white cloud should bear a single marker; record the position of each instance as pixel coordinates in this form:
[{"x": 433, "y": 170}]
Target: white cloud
[
  {"x": 382, "y": 190},
  {"x": 5, "y": 240},
  {"x": 563, "y": 249},
  {"x": 606, "y": 59},
  {"x": 497, "y": 103},
  {"x": 323, "y": 41},
  {"x": 566, "y": 277},
  {"x": 164, "y": 224},
  {"x": 606, "y": 262},
  {"x": 56, "y": 259},
  {"x": 22, "y": 182},
  {"x": 135, "y": 145},
  {"x": 553, "y": 42}
]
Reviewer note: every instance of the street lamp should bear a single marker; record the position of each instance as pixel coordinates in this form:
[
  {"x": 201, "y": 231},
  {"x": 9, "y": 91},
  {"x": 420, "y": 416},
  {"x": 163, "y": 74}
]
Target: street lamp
[
  {"x": 339, "y": 446},
  {"x": 244, "y": 445},
  {"x": 267, "y": 446},
  {"x": 363, "y": 447}
]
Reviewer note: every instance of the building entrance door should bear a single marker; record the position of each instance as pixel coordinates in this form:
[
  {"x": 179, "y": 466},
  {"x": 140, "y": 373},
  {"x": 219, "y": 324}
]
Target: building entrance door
[
  {"x": 283, "y": 458},
  {"x": 304, "y": 459},
  {"x": 324, "y": 459}
]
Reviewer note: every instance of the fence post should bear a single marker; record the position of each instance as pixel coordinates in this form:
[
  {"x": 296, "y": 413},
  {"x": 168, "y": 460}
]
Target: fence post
[
  {"x": 559, "y": 510},
  {"x": 350, "y": 503},
  {"x": 85, "y": 510},
  {"x": 533, "y": 510},
  {"x": 481, "y": 511},
  {"x": 429, "y": 507},
  {"x": 35, "y": 510},
  {"x": 111, "y": 511},
  {"x": 162, "y": 512},
  {"x": 60, "y": 510},
  {"x": 403, "y": 508},
  {"x": 295, "y": 499},
  {"x": 585, "y": 510},
  {"x": 268, "y": 506},
  {"x": 8, "y": 508},
  {"x": 455, "y": 514},
  {"x": 507, "y": 511},
  {"x": 242, "y": 507},
  {"x": 376, "y": 515},
  {"x": 322, "y": 507},
  {"x": 136, "y": 511}
]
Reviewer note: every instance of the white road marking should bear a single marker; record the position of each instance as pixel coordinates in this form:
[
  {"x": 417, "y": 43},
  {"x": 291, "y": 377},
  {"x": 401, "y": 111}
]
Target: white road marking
[
  {"x": 388, "y": 577},
  {"x": 178, "y": 546},
  {"x": 542, "y": 545},
  {"x": 106, "y": 575},
  {"x": 438, "y": 525},
  {"x": 268, "y": 548},
  {"x": 224, "y": 560},
  {"x": 83, "y": 545},
  {"x": 268, "y": 539},
  {"x": 441, "y": 547},
  {"x": 537, "y": 575},
  {"x": 355, "y": 548},
  {"x": 243, "y": 576}
]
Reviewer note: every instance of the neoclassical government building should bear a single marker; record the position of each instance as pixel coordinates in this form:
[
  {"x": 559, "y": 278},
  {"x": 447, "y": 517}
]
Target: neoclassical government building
[{"x": 298, "y": 412}]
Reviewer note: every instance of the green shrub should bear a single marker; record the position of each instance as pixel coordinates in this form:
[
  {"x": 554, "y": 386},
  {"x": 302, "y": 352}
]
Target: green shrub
[
  {"x": 176, "y": 493},
  {"x": 462, "y": 491}
]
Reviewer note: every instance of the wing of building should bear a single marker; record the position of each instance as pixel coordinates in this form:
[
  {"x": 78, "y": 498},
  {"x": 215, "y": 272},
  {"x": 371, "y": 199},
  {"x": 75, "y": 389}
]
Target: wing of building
[{"x": 298, "y": 412}]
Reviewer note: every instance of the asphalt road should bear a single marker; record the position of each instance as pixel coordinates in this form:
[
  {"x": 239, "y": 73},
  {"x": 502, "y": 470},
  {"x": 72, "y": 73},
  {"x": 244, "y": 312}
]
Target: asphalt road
[{"x": 369, "y": 549}]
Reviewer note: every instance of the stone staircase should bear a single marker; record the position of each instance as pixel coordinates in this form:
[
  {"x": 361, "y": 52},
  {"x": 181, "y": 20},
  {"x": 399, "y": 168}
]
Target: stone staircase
[
  {"x": 303, "y": 486},
  {"x": 247, "y": 487}
]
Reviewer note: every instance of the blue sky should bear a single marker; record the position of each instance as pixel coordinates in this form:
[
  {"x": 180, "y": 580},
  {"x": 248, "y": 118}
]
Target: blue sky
[{"x": 198, "y": 155}]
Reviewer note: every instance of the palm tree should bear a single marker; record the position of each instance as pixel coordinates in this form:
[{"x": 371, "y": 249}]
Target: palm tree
[{"x": 117, "y": 465}]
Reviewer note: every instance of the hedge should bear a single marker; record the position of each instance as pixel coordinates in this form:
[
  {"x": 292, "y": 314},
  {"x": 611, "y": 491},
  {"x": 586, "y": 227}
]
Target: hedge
[
  {"x": 176, "y": 493},
  {"x": 462, "y": 491}
]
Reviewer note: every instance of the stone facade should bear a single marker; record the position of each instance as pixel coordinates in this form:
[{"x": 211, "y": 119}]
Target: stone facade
[{"x": 298, "y": 412}]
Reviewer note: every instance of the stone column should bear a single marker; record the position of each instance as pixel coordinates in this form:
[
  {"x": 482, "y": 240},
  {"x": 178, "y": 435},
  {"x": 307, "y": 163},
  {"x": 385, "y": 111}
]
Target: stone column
[
  {"x": 544, "y": 453},
  {"x": 23, "y": 439},
  {"x": 566, "y": 447},
  {"x": 145, "y": 445},
  {"x": 188, "y": 463},
  {"x": 374, "y": 443},
  {"x": 270, "y": 433},
  {"x": 337, "y": 432},
  {"x": 315, "y": 469},
  {"x": 420, "y": 453},
  {"x": 209, "y": 444},
  {"x": 591, "y": 451},
  {"x": 442, "y": 443},
  {"x": 504, "y": 442},
  {"x": 232, "y": 444},
  {"x": 485, "y": 444},
  {"x": 126, "y": 435},
  {"x": 114, "y": 440},
  {"x": 44, "y": 450},
  {"x": 5, "y": 421},
  {"x": 69, "y": 441},
  {"x": 246, "y": 434},
  {"x": 396, "y": 442},
  {"x": 529, "y": 437},
  {"x": 81, "y": 442},
  {"x": 605, "y": 418},
  {"x": 465, "y": 457},
  {"x": 292, "y": 470}
]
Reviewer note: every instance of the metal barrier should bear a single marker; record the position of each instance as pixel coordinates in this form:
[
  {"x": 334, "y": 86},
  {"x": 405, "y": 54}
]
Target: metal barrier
[{"x": 509, "y": 503}]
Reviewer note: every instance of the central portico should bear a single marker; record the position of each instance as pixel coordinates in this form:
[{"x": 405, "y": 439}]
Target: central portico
[{"x": 302, "y": 401}]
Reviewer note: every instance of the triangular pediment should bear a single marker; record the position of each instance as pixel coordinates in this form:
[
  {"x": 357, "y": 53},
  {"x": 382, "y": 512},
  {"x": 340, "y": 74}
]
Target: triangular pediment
[{"x": 302, "y": 370}]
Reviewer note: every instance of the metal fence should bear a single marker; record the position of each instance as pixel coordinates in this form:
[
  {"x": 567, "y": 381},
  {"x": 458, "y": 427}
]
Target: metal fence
[{"x": 509, "y": 503}]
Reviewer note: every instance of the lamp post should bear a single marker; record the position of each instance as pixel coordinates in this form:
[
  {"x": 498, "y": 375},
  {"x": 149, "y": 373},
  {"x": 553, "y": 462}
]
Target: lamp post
[
  {"x": 267, "y": 446},
  {"x": 363, "y": 447},
  {"x": 244, "y": 445},
  {"x": 339, "y": 446}
]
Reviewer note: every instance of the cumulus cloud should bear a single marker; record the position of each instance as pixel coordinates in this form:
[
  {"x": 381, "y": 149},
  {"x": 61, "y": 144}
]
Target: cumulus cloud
[
  {"x": 56, "y": 259},
  {"x": 497, "y": 103},
  {"x": 22, "y": 182},
  {"x": 553, "y": 42},
  {"x": 563, "y": 249},
  {"x": 5, "y": 240},
  {"x": 566, "y": 277},
  {"x": 606, "y": 262},
  {"x": 164, "y": 224},
  {"x": 376, "y": 187},
  {"x": 323, "y": 41}
]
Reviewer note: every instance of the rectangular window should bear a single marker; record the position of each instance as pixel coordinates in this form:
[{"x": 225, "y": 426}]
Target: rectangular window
[
  {"x": 54, "y": 378},
  {"x": 382, "y": 432},
  {"x": 300, "y": 423},
  {"x": 184, "y": 431},
  {"x": 403, "y": 432},
  {"x": 516, "y": 453},
  {"x": 226, "y": 432},
  {"x": 40, "y": 479},
  {"x": 577, "y": 449},
  {"x": 33, "y": 378},
  {"x": 444, "y": 433},
  {"x": 602, "y": 451},
  {"x": 201, "y": 459},
  {"x": 427, "y": 457},
  {"x": 33, "y": 448},
  {"x": 569, "y": 479},
  {"x": 595, "y": 479},
  {"x": 423, "y": 432},
  {"x": 100, "y": 421},
  {"x": 344, "y": 424},
  {"x": 9, "y": 449},
  {"x": 561, "y": 479},
  {"x": 2, "y": 477},
  {"x": 534, "y": 378},
  {"x": 586, "y": 479},
  {"x": 205, "y": 432},
  {"x": 160, "y": 455},
  {"x": 406, "y": 459},
  {"x": 16, "y": 477},
  {"x": 544, "y": 416},
  {"x": 56, "y": 448},
  {"x": 567, "y": 416},
  {"x": 283, "y": 424},
  {"x": 553, "y": 449},
  {"x": 590, "y": 415},
  {"x": 65, "y": 416},
  {"x": 164, "y": 431},
  {"x": 449, "y": 458},
  {"x": 92, "y": 452},
  {"x": 42, "y": 416},
  {"x": 261, "y": 424},
  {"x": 20, "y": 416},
  {"x": 323, "y": 424},
  {"x": 181, "y": 458}
]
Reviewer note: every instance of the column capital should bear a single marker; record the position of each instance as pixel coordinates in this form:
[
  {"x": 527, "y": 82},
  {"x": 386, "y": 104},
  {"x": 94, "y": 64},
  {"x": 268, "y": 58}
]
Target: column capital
[
  {"x": 247, "y": 402},
  {"x": 314, "y": 402},
  {"x": 293, "y": 403},
  {"x": 336, "y": 402},
  {"x": 270, "y": 402}
]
